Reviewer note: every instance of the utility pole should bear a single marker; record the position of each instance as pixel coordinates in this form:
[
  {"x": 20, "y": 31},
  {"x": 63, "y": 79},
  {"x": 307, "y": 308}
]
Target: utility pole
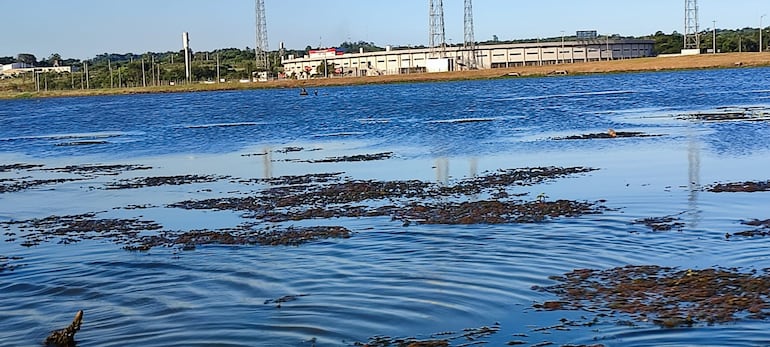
[
  {"x": 760, "y": 32},
  {"x": 714, "y": 39},
  {"x": 88, "y": 83},
  {"x": 219, "y": 79}
]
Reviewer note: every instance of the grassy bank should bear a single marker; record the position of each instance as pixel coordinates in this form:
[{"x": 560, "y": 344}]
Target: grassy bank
[{"x": 705, "y": 61}]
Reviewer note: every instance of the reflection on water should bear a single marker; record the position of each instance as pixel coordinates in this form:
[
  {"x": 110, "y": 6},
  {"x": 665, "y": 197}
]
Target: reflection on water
[
  {"x": 694, "y": 183},
  {"x": 442, "y": 171},
  {"x": 388, "y": 278}
]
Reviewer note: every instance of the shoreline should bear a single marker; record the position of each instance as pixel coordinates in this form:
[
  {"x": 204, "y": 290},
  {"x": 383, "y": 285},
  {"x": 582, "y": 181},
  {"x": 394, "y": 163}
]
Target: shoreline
[{"x": 692, "y": 62}]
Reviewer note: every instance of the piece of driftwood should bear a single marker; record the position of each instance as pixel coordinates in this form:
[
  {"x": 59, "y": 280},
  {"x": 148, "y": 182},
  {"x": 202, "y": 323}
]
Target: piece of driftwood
[{"x": 65, "y": 337}]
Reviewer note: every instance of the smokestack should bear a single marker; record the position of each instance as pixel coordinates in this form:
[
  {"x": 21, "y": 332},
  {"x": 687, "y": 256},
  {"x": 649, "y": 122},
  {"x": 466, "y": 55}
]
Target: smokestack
[{"x": 187, "y": 58}]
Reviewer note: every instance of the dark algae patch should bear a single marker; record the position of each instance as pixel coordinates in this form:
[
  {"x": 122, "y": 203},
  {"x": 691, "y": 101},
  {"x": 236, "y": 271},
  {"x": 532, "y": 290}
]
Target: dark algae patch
[
  {"x": 20, "y": 184},
  {"x": 9, "y": 263},
  {"x": 761, "y": 229},
  {"x": 495, "y": 212},
  {"x": 611, "y": 134},
  {"x": 353, "y": 158},
  {"x": 737, "y": 187},
  {"x": 308, "y": 197},
  {"x": 666, "y": 223},
  {"x": 668, "y": 297},
  {"x": 109, "y": 170},
  {"x": 143, "y": 182},
  {"x": 284, "y": 299},
  {"x": 406, "y": 200},
  {"x": 466, "y": 337},
  {"x": 14, "y": 167},
  {"x": 731, "y": 114},
  {"x": 9, "y": 185},
  {"x": 74, "y": 228},
  {"x": 292, "y": 236}
]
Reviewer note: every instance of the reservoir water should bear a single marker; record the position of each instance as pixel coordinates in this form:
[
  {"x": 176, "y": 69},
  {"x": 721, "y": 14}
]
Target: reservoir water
[{"x": 389, "y": 278}]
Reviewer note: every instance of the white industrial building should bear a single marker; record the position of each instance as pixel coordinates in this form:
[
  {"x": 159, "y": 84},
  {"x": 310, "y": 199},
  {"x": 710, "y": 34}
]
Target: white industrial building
[
  {"x": 20, "y": 68},
  {"x": 391, "y": 62}
]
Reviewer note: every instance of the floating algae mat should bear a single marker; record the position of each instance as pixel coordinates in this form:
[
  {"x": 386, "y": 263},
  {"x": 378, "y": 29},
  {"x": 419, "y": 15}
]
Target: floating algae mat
[{"x": 668, "y": 297}]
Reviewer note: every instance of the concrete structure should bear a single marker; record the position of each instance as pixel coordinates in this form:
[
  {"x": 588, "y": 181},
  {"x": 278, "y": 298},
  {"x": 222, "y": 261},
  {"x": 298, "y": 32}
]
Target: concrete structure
[
  {"x": 390, "y": 62},
  {"x": 21, "y": 68}
]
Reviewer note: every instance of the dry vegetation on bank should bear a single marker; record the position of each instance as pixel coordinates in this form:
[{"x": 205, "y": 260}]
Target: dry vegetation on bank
[{"x": 705, "y": 61}]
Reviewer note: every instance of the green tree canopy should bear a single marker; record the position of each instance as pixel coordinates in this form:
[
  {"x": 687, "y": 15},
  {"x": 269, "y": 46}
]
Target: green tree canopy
[
  {"x": 26, "y": 58},
  {"x": 354, "y": 47}
]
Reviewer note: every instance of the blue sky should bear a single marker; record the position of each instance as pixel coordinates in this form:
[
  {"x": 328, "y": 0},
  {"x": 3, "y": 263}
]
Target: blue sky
[{"x": 83, "y": 28}]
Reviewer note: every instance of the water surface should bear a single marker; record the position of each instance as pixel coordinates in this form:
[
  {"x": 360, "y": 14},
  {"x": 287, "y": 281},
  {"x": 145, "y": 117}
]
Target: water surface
[{"x": 387, "y": 279}]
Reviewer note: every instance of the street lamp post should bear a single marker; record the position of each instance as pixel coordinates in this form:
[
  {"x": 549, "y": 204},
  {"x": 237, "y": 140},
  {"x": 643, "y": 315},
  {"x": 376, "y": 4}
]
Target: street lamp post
[
  {"x": 760, "y": 32},
  {"x": 714, "y": 38}
]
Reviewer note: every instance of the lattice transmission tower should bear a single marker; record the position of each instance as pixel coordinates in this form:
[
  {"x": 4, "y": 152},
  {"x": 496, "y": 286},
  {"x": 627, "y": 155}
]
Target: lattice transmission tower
[
  {"x": 261, "y": 48},
  {"x": 469, "y": 51},
  {"x": 691, "y": 35},
  {"x": 437, "y": 41}
]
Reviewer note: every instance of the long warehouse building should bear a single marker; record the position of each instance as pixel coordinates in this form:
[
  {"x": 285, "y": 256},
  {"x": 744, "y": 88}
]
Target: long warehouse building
[{"x": 404, "y": 61}]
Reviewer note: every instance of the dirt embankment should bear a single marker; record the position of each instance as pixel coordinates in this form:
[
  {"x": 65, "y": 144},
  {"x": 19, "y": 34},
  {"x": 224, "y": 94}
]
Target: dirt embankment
[{"x": 704, "y": 61}]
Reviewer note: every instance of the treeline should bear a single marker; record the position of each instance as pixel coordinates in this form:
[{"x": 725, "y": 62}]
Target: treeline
[
  {"x": 112, "y": 70},
  {"x": 727, "y": 41}
]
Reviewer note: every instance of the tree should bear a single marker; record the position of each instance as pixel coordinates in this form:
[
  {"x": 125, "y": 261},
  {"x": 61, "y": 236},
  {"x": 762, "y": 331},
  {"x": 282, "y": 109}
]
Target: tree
[
  {"x": 354, "y": 47},
  {"x": 668, "y": 44},
  {"x": 26, "y": 58},
  {"x": 7, "y": 60},
  {"x": 325, "y": 69},
  {"x": 495, "y": 38},
  {"x": 53, "y": 59}
]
